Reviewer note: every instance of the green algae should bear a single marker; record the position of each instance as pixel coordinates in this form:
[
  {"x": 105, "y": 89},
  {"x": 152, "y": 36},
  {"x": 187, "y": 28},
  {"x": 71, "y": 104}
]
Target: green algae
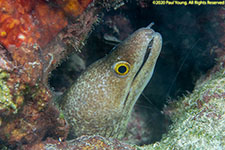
[
  {"x": 6, "y": 100},
  {"x": 198, "y": 119},
  {"x": 61, "y": 115}
]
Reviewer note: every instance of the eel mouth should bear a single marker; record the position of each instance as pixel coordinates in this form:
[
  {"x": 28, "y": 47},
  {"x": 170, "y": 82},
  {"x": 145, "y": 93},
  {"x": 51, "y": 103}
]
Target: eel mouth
[{"x": 147, "y": 53}]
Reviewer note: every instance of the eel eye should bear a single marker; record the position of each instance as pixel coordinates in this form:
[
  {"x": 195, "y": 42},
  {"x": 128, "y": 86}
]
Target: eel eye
[{"x": 121, "y": 68}]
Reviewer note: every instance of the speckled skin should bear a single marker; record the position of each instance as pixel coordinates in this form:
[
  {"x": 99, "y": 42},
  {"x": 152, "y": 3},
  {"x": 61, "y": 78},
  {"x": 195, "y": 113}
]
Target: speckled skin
[{"x": 100, "y": 102}]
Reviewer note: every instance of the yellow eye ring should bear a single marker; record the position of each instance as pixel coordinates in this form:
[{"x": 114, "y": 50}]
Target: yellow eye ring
[{"x": 121, "y": 68}]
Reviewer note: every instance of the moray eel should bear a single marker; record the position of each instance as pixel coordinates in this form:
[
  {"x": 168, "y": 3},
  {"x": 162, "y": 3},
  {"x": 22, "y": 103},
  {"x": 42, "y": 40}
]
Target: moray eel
[{"x": 101, "y": 100}]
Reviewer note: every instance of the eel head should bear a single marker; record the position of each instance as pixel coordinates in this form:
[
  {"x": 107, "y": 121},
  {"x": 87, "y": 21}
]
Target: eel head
[{"x": 102, "y": 98}]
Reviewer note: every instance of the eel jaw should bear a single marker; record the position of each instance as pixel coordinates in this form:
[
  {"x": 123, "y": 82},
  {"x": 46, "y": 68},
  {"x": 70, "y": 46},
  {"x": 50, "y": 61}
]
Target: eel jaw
[
  {"x": 147, "y": 53},
  {"x": 140, "y": 81},
  {"x": 144, "y": 73}
]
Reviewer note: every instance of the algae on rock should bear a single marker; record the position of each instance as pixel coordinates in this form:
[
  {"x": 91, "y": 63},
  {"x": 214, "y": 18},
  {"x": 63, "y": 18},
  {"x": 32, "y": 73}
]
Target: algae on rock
[{"x": 6, "y": 101}]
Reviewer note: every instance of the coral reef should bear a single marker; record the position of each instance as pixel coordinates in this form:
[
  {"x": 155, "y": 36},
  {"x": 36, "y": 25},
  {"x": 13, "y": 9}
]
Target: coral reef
[
  {"x": 83, "y": 142},
  {"x": 37, "y": 35}
]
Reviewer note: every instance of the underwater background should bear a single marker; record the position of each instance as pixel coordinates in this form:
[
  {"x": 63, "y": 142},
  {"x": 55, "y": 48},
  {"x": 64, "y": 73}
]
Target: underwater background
[
  {"x": 192, "y": 54},
  {"x": 188, "y": 34}
]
